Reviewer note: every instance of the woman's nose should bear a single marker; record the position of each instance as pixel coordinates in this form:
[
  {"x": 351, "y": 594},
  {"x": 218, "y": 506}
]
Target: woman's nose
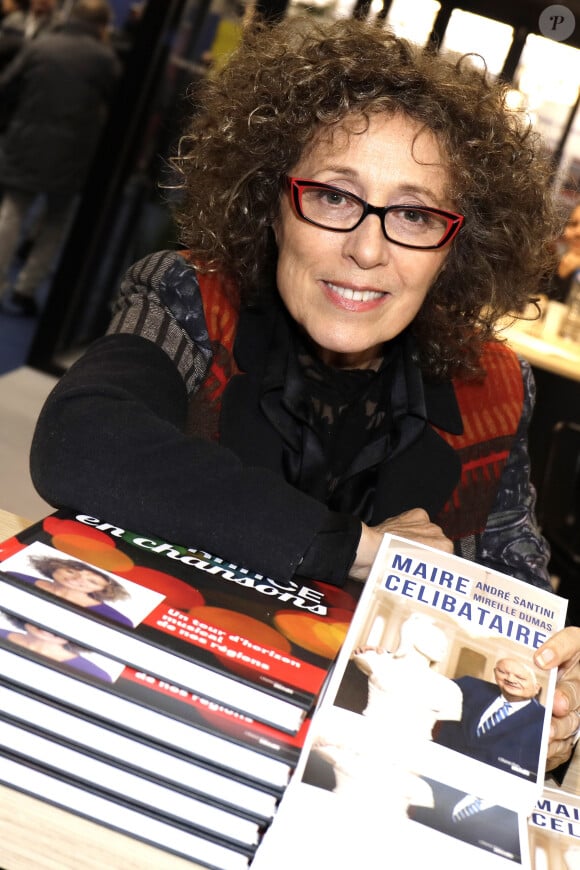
[{"x": 367, "y": 244}]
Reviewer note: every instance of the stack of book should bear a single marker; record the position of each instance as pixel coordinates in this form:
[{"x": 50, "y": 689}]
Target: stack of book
[{"x": 155, "y": 688}]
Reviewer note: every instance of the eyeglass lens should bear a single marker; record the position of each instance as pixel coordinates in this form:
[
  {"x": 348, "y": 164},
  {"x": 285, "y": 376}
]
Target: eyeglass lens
[{"x": 339, "y": 211}]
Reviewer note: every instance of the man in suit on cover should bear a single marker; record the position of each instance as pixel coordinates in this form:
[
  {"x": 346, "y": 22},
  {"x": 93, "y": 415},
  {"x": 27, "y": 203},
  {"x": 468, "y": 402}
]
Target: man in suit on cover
[{"x": 501, "y": 723}]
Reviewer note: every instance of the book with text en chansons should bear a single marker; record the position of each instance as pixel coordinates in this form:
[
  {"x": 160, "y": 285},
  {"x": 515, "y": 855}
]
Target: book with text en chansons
[{"x": 259, "y": 646}]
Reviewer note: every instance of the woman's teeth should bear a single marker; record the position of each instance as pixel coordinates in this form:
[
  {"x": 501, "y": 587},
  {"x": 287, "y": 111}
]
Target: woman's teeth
[{"x": 355, "y": 295}]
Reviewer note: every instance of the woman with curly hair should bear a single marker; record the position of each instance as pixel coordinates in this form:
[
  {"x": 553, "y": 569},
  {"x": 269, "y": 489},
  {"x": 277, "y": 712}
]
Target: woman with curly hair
[{"x": 319, "y": 365}]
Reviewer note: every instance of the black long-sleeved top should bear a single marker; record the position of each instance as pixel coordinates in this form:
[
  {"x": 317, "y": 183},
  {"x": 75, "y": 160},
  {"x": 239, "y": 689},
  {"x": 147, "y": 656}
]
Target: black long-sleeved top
[{"x": 113, "y": 440}]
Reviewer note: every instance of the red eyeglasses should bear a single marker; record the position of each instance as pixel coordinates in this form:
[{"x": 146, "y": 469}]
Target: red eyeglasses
[{"x": 338, "y": 210}]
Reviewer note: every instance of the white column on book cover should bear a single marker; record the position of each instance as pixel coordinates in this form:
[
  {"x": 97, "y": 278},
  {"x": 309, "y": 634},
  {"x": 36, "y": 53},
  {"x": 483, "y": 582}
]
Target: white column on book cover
[{"x": 377, "y": 632}]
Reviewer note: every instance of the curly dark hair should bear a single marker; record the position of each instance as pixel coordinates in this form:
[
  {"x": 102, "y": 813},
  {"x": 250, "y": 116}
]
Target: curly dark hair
[
  {"x": 286, "y": 83},
  {"x": 47, "y": 565}
]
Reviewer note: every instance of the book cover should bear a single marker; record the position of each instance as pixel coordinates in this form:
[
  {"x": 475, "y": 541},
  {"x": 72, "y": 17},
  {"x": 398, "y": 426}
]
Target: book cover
[
  {"x": 554, "y": 831},
  {"x": 313, "y": 830},
  {"x": 153, "y": 710},
  {"x": 401, "y": 748},
  {"x": 244, "y": 640}
]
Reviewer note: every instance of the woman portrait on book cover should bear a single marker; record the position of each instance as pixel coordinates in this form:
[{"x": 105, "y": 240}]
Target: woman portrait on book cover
[
  {"x": 82, "y": 584},
  {"x": 57, "y": 648}
]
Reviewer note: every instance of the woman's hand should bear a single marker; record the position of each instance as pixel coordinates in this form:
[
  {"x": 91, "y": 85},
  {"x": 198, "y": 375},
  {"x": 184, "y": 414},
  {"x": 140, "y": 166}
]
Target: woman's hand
[
  {"x": 414, "y": 524},
  {"x": 563, "y": 651}
]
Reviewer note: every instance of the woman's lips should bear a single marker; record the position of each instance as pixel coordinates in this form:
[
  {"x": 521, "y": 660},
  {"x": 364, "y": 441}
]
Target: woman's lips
[{"x": 353, "y": 300}]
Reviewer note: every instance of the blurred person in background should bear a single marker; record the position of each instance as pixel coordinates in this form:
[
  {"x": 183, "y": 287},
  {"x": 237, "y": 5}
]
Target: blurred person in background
[
  {"x": 59, "y": 86},
  {"x": 23, "y": 20},
  {"x": 11, "y": 30},
  {"x": 42, "y": 16},
  {"x": 13, "y": 16},
  {"x": 569, "y": 264}
]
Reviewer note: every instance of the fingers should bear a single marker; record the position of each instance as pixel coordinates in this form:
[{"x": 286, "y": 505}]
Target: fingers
[
  {"x": 416, "y": 525},
  {"x": 413, "y": 524},
  {"x": 565, "y": 727},
  {"x": 567, "y": 695},
  {"x": 564, "y": 724},
  {"x": 562, "y": 649},
  {"x": 416, "y": 517},
  {"x": 559, "y": 751}
]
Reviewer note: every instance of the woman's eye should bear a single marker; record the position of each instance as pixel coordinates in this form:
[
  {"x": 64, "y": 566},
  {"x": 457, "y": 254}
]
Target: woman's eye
[
  {"x": 333, "y": 197},
  {"x": 414, "y": 216}
]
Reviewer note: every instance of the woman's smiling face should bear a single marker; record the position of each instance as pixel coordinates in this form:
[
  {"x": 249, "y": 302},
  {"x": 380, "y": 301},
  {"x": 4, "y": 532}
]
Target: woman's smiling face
[
  {"x": 351, "y": 292},
  {"x": 79, "y": 579}
]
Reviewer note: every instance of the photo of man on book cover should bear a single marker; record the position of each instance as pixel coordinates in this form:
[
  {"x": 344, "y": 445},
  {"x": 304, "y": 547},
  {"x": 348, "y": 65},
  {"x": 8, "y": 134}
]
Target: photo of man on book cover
[{"x": 501, "y": 723}]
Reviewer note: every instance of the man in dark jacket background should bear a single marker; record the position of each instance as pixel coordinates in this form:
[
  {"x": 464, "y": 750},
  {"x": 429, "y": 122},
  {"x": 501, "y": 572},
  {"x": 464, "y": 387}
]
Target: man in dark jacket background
[{"x": 59, "y": 86}]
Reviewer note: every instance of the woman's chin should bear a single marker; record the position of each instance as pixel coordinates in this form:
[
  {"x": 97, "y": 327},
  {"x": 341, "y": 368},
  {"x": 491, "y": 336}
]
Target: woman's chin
[{"x": 342, "y": 356}]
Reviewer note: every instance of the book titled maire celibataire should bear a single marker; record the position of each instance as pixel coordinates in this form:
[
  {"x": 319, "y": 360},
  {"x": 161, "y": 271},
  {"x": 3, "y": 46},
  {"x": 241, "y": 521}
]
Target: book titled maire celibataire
[
  {"x": 440, "y": 759},
  {"x": 174, "y": 704}
]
